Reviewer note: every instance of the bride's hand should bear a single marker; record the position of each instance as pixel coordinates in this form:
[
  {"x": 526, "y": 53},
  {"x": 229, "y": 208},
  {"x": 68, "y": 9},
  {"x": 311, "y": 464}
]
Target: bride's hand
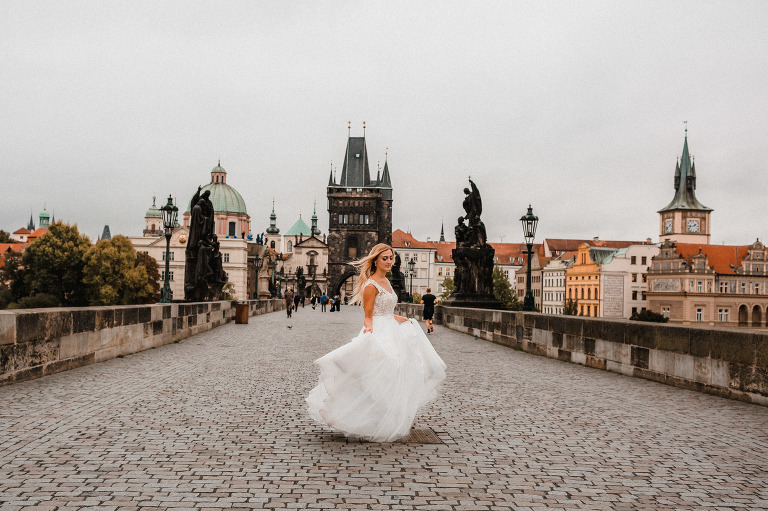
[{"x": 367, "y": 330}]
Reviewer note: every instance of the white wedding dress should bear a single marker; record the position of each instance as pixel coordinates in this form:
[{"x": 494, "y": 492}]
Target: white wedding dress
[{"x": 373, "y": 386}]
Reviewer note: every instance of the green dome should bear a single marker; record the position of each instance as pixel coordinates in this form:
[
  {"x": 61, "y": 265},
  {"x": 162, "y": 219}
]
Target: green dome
[
  {"x": 45, "y": 214},
  {"x": 225, "y": 199},
  {"x": 153, "y": 212}
]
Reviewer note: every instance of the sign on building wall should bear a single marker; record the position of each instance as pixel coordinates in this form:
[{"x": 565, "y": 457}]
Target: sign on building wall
[
  {"x": 666, "y": 285},
  {"x": 613, "y": 296}
]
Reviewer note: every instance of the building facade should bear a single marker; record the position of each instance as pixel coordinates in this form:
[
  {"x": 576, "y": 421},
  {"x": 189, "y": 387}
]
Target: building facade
[
  {"x": 360, "y": 213},
  {"x": 231, "y": 219}
]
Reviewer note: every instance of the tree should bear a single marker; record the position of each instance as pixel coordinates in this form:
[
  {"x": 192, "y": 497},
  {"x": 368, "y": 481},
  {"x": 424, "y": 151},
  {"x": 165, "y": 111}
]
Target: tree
[
  {"x": 646, "y": 315},
  {"x": 227, "y": 292},
  {"x": 54, "y": 265},
  {"x": 571, "y": 307},
  {"x": 153, "y": 274},
  {"x": 5, "y": 237},
  {"x": 113, "y": 276},
  {"x": 12, "y": 276},
  {"x": 416, "y": 296},
  {"x": 449, "y": 287},
  {"x": 503, "y": 292}
]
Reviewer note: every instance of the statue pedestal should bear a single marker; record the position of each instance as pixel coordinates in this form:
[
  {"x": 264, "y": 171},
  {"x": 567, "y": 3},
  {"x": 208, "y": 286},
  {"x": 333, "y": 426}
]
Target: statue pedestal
[{"x": 473, "y": 278}]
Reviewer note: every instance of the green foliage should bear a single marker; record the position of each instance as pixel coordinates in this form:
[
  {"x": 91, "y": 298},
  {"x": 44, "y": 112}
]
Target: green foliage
[
  {"x": 652, "y": 317},
  {"x": 54, "y": 265},
  {"x": 153, "y": 274},
  {"x": 227, "y": 292},
  {"x": 571, "y": 307},
  {"x": 5, "y": 237},
  {"x": 12, "y": 276},
  {"x": 416, "y": 297},
  {"x": 449, "y": 287},
  {"x": 38, "y": 301},
  {"x": 112, "y": 275},
  {"x": 503, "y": 292},
  {"x": 5, "y": 295}
]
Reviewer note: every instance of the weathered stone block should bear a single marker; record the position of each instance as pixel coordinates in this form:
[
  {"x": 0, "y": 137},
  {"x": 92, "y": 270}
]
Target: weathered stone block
[
  {"x": 83, "y": 320},
  {"x": 597, "y": 363},
  {"x": 661, "y": 361},
  {"x": 593, "y": 328},
  {"x": 605, "y": 349},
  {"x": 573, "y": 343},
  {"x": 684, "y": 366},
  {"x": 640, "y": 334},
  {"x": 105, "y": 318},
  {"x": 761, "y": 350},
  {"x": 616, "y": 367},
  {"x": 719, "y": 373},
  {"x": 145, "y": 314},
  {"x": 622, "y": 353},
  {"x": 557, "y": 339},
  {"x": 564, "y": 355},
  {"x": 702, "y": 369},
  {"x": 556, "y": 324},
  {"x": 614, "y": 331},
  {"x": 7, "y": 328},
  {"x": 733, "y": 346},
  {"x": 701, "y": 341},
  {"x": 75, "y": 345},
  {"x": 13, "y": 357},
  {"x": 43, "y": 351},
  {"x": 640, "y": 357},
  {"x": 589, "y": 346},
  {"x": 541, "y": 322},
  {"x": 35, "y": 326},
  {"x": 671, "y": 338},
  {"x": 578, "y": 358},
  {"x": 157, "y": 327},
  {"x": 542, "y": 337},
  {"x": 572, "y": 326}
]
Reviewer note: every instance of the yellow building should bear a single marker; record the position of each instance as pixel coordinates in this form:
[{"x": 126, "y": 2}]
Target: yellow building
[{"x": 582, "y": 283}]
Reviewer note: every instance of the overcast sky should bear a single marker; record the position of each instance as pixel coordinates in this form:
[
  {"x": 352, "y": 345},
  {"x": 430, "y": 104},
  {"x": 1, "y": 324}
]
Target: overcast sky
[{"x": 574, "y": 107}]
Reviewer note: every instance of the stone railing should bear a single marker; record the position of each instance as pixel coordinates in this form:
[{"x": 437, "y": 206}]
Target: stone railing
[
  {"x": 722, "y": 361},
  {"x": 38, "y": 342}
]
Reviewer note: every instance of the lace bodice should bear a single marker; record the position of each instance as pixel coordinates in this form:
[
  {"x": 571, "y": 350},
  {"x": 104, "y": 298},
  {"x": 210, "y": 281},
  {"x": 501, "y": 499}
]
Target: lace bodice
[{"x": 385, "y": 302}]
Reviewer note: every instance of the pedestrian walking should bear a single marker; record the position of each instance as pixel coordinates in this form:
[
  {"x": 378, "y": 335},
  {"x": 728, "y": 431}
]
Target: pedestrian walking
[
  {"x": 313, "y": 301},
  {"x": 288, "y": 297},
  {"x": 296, "y": 300},
  {"x": 323, "y": 302},
  {"x": 429, "y": 309}
]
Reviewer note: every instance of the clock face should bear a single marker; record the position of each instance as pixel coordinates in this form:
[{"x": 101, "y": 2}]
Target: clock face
[
  {"x": 668, "y": 226},
  {"x": 693, "y": 226}
]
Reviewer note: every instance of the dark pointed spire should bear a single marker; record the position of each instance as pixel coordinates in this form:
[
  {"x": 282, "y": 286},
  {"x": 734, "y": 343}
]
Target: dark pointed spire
[
  {"x": 685, "y": 183},
  {"x": 31, "y": 224},
  {"x": 272, "y": 229},
  {"x": 355, "y": 173},
  {"x": 330, "y": 178},
  {"x": 315, "y": 231},
  {"x": 442, "y": 231}
]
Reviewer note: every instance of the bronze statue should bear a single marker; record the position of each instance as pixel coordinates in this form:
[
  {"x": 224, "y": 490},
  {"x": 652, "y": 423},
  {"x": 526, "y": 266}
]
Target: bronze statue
[{"x": 204, "y": 275}]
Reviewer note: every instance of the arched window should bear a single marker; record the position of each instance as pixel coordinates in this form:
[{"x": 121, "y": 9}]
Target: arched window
[
  {"x": 581, "y": 292},
  {"x": 589, "y": 293},
  {"x": 272, "y": 244},
  {"x": 290, "y": 246},
  {"x": 153, "y": 227}
]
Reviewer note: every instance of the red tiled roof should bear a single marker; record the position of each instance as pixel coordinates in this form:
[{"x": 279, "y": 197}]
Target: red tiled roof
[
  {"x": 720, "y": 257},
  {"x": 23, "y": 230},
  {"x": 38, "y": 232},
  {"x": 10, "y": 247},
  {"x": 400, "y": 238}
]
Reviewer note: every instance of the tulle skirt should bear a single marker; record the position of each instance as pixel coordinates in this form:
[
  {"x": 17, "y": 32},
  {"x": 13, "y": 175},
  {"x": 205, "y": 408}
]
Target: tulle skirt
[{"x": 373, "y": 386}]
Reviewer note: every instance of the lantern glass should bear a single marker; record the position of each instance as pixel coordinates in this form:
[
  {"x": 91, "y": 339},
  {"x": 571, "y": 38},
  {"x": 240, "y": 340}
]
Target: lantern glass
[{"x": 529, "y": 222}]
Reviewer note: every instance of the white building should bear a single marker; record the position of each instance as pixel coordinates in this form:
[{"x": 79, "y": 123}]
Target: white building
[
  {"x": 553, "y": 284},
  {"x": 623, "y": 280}
]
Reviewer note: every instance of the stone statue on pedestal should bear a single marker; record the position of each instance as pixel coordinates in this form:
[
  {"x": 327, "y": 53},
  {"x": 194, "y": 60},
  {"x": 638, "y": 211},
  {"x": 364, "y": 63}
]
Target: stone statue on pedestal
[
  {"x": 204, "y": 275},
  {"x": 473, "y": 257}
]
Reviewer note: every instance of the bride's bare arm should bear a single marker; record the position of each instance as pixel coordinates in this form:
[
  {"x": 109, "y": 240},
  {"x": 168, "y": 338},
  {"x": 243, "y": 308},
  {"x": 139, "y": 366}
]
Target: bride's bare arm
[
  {"x": 400, "y": 319},
  {"x": 369, "y": 296}
]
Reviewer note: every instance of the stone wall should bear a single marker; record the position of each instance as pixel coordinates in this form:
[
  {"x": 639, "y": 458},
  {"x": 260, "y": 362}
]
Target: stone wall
[
  {"x": 726, "y": 362},
  {"x": 38, "y": 342}
]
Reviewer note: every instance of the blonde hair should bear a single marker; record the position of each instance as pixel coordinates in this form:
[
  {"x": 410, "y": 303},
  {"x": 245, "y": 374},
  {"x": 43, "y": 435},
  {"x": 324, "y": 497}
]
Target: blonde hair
[{"x": 367, "y": 267}]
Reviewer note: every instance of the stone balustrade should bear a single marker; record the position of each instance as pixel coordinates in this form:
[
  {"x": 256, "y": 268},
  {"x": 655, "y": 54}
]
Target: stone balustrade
[
  {"x": 731, "y": 363},
  {"x": 38, "y": 342}
]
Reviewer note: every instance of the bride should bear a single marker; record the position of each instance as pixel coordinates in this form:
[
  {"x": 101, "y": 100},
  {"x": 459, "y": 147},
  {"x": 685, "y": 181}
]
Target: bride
[{"x": 372, "y": 387}]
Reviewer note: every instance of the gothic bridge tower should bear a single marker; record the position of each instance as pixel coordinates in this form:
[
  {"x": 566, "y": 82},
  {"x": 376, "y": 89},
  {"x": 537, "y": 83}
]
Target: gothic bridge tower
[
  {"x": 360, "y": 211},
  {"x": 685, "y": 219}
]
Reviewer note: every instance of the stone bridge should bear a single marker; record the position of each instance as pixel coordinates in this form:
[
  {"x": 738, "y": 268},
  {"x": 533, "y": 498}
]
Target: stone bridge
[{"x": 217, "y": 421}]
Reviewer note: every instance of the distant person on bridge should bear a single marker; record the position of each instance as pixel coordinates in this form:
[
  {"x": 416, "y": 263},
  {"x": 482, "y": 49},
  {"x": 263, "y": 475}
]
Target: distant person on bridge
[
  {"x": 288, "y": 297},
  {"x": 429, "y": 309},
  {"x": 323, "y": 302},
  {"x": 372, "y": 387}
]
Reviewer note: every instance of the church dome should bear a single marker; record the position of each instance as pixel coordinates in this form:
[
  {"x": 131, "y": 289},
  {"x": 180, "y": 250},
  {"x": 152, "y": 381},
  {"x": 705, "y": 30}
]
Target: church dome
[
  {"x": 153, "y": 211},
  {"x": 45, "y": 214},
  {"x": 224, "y": 198}
]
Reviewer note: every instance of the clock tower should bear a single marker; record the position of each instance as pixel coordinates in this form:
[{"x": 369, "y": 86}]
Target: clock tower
[{"x": 685, "y": 219}]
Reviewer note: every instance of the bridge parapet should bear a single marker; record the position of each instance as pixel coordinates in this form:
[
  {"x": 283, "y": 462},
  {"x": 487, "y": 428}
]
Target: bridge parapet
[
  {"x": 721, "y": 361},
  {"x": 38, "y": 342}
]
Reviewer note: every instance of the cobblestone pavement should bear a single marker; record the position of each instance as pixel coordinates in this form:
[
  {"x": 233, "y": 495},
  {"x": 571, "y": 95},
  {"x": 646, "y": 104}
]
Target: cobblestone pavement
[{"x": 217, "y": 421}]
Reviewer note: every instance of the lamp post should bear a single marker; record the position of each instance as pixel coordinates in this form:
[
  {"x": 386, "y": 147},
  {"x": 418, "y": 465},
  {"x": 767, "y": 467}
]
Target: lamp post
[
  {"x": 169, "y": 212},
  {"x": 412, "y": 270},
  {"x": 529, "y": 222},
  {"x": 256, "y": 259}
]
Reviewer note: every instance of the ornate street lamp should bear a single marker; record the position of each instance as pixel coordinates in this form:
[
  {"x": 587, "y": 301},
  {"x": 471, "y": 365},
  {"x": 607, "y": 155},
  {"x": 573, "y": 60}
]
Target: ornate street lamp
[
  {"x": 256, "y": 287},
  {"x": 170, "y": 212},
  {"x": 529, "y": 232},
  {"x": 412, "y": 270}
]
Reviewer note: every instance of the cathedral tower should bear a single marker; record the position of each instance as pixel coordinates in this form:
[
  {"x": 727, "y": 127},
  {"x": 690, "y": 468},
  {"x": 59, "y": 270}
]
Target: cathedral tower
[
  {"x": 360, "y": 211},
  {"x": 685, "y": 219}
]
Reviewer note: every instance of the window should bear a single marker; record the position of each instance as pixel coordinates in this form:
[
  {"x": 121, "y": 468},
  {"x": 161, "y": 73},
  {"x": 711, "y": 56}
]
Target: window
[
  {"x": 723, "y": 315},
  {"x": 506, "y": 274},
  {"x": 699, "y": 286},
  {"x": 232, "y": 229},
  {"x": 743, "y": 288},
  {"x": 290, "y": 246},
  {"x": 699, "y": 314},
  {"x": 645, "y": 277},
  {"x": 757, "y": 289},
  {"x": 634, "y": 277},
  {"x": 272, "y": 244},
  {"x": 723, "y": 287},
  {"x": 643, "y": 261},
  {"x": 439, "y": 271},
  {"x": 665, "y": 312},
  {"x": 634, "y": 310},
  {"x": 170, "y": 258},
  {"x": 643, "y": 295},
  {"x": 447, "y": 272},
  {"x": 225, "y": 256},
  {"x": 633, "y": 260},
  {"x": 634, "y": 295},
  {"x": 162, "y": 275}
]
